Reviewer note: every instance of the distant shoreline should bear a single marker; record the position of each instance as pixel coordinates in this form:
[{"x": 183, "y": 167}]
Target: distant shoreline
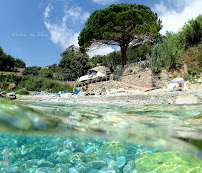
[{"x": 159, "y": 96}]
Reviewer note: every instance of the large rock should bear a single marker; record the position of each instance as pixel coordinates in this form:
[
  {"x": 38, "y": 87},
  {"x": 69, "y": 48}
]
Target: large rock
[
  {"x": 3, "y": 94},
  {"x": 11, "y": 95},
  {"x": 186, "y": 99},
  {"x": 11, "y": 85},
  {"x": 168, "y": 162}
]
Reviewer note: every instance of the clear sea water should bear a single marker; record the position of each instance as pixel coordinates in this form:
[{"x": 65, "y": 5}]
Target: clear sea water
[{"x": 99, "y": 138}]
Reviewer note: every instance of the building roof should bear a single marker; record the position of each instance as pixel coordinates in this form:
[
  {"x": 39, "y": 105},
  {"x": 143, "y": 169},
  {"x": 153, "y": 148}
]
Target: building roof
[{"x": 102, "y": 69}]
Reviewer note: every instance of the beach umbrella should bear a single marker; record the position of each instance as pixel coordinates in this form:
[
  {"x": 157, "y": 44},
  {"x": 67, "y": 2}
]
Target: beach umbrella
[{"x": 177, "y": 80}]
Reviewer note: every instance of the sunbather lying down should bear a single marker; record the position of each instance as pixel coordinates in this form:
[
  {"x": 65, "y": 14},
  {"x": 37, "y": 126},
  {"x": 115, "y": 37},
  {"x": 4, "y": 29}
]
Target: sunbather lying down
[{"x": 92, "y": 92}]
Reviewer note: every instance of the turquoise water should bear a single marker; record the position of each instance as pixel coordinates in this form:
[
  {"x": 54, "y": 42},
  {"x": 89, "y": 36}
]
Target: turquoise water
[{"x": 66, "y": 137}]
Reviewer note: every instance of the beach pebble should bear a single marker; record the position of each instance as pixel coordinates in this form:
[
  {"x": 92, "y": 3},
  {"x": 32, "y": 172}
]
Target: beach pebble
[
  {"x": 64, "y": 153},
  {"x": 90, "y": 150},
  {"x": 93, "y": 171},
  {"x": 64, "y": 167},
  {"x": 44, "y": 163},
  {"x": 13, "y": 169},
  {"x": 109, "y": 170},
  {"x": 120, "y": 162},
  {"x": 31, "y": 170},
  {"x": 121, "y": 153},
  {"x": 127, "y": 169},
  {"x": 72, "y": 170},
  {"x": 45, "y": 170},
  {"x": 80, "y": 167},
  {"x": 74, "y": 158},
  {"x": 96, "y": 165}
]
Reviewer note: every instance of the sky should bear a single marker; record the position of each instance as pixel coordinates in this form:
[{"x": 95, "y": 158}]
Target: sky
[{"x": 38, "y": 31}]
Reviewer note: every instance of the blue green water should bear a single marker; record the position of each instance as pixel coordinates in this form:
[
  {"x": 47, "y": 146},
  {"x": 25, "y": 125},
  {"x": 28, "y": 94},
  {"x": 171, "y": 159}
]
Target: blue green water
[{"x": 67, "y": 137}]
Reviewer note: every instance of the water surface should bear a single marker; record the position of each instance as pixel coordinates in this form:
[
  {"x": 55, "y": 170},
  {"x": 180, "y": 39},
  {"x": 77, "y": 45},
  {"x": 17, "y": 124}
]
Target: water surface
[{"x": 67, "y": 137}]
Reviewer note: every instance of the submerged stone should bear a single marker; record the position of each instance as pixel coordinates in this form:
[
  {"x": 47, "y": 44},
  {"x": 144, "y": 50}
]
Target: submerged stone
[
  {"x": 113, "y": 147},
  {"x": 120, "y": 162},
  {"x": 45, "y": 170},
  {"x": 80, "y": 167},
  {"x": 14, "y": 169},
  {"x": 90, "y": 150},
  {"x": 44, "y": 163},
  {"x": 109, "y": 170},
  {"x": 199, "y": 116},
  {"x": 168, "y": 162},
  {"x": 72, "y": 170},
  {"x": 91, "y": 157},
  {"x": 127, "y": 169},
  {"x": 31, "y": 170},
  {"x": 96, "y": 165},
  {"x": 74, "y": 158},
  {"x": 64, "y": 153},
  {"x": 93, "y": 171}
]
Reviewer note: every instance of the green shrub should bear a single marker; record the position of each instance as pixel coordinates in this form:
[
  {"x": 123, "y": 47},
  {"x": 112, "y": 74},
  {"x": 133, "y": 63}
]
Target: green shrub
[
  {"x": 46, "y": 73},
  {"x": 33, "y": 83},
  {"x": 174, "y": 76},
  {"x": 186, "y": 76},
  {"x": 167, "y": 54},
  {"x": 31, "y": 71},
  {"x": 199, "y": 58},
  {"x": 193, "y": 71},
  {"x": 23, "y": 92}
]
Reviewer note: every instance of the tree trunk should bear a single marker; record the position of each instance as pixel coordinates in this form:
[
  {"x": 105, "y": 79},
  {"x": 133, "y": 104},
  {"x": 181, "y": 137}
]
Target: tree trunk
[{"x": 123, "y": 53}]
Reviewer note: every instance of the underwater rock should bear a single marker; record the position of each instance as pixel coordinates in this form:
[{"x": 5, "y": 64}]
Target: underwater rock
[
  {"x": 142, "y": 152},
  {"x": 44, "y": 163},
  {"x": 32, "y": 170},
  {"x": 167, "y": 162},
  {"x": 96, "y": 165},
  {"x": 62, "y": 167},
  {"x": 120, "y": 162},
  {"x": 69, "y": 144},
  {"x": 64, "y": 153},
  {"x": 113, "y": 147},
  {"x": 80, "y": 167},
  {"x": 108, "y": 155},
  {"x": 30, "y": 163},
  {"x": 121, "y": 153},
  {"x": 132, "y": 149},
  {"x": 72, "y": 170},
  {"x": 93, "y": 171},
  {"x": 91, "y": 157},
  {"x": 130, "y": 156},
  {"x": 90, "y": 150},
  {"x": 13, "y": 169},
  {"x": 81, "y": 145},
  {"x": 127, "y": 169},
  {"x": 109, "y": 170},
  {"x": 18, "y": 163},
  {"x": 199, "y": 116},
  {"x": 78, "y": 151},
  {"x": 74, "y": 158},
  {"x": 45, "y": 170}
]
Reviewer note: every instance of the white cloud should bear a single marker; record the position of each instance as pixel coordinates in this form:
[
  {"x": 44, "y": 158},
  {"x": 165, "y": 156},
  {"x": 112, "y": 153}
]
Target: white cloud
[
  {"x": 173, "y": 19},
  {"x": 62, "y": 32},
  {"x": 104, "y": 2},
  {"x": 95, "y": 50},
  {"x": 47, "y": 11}
]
